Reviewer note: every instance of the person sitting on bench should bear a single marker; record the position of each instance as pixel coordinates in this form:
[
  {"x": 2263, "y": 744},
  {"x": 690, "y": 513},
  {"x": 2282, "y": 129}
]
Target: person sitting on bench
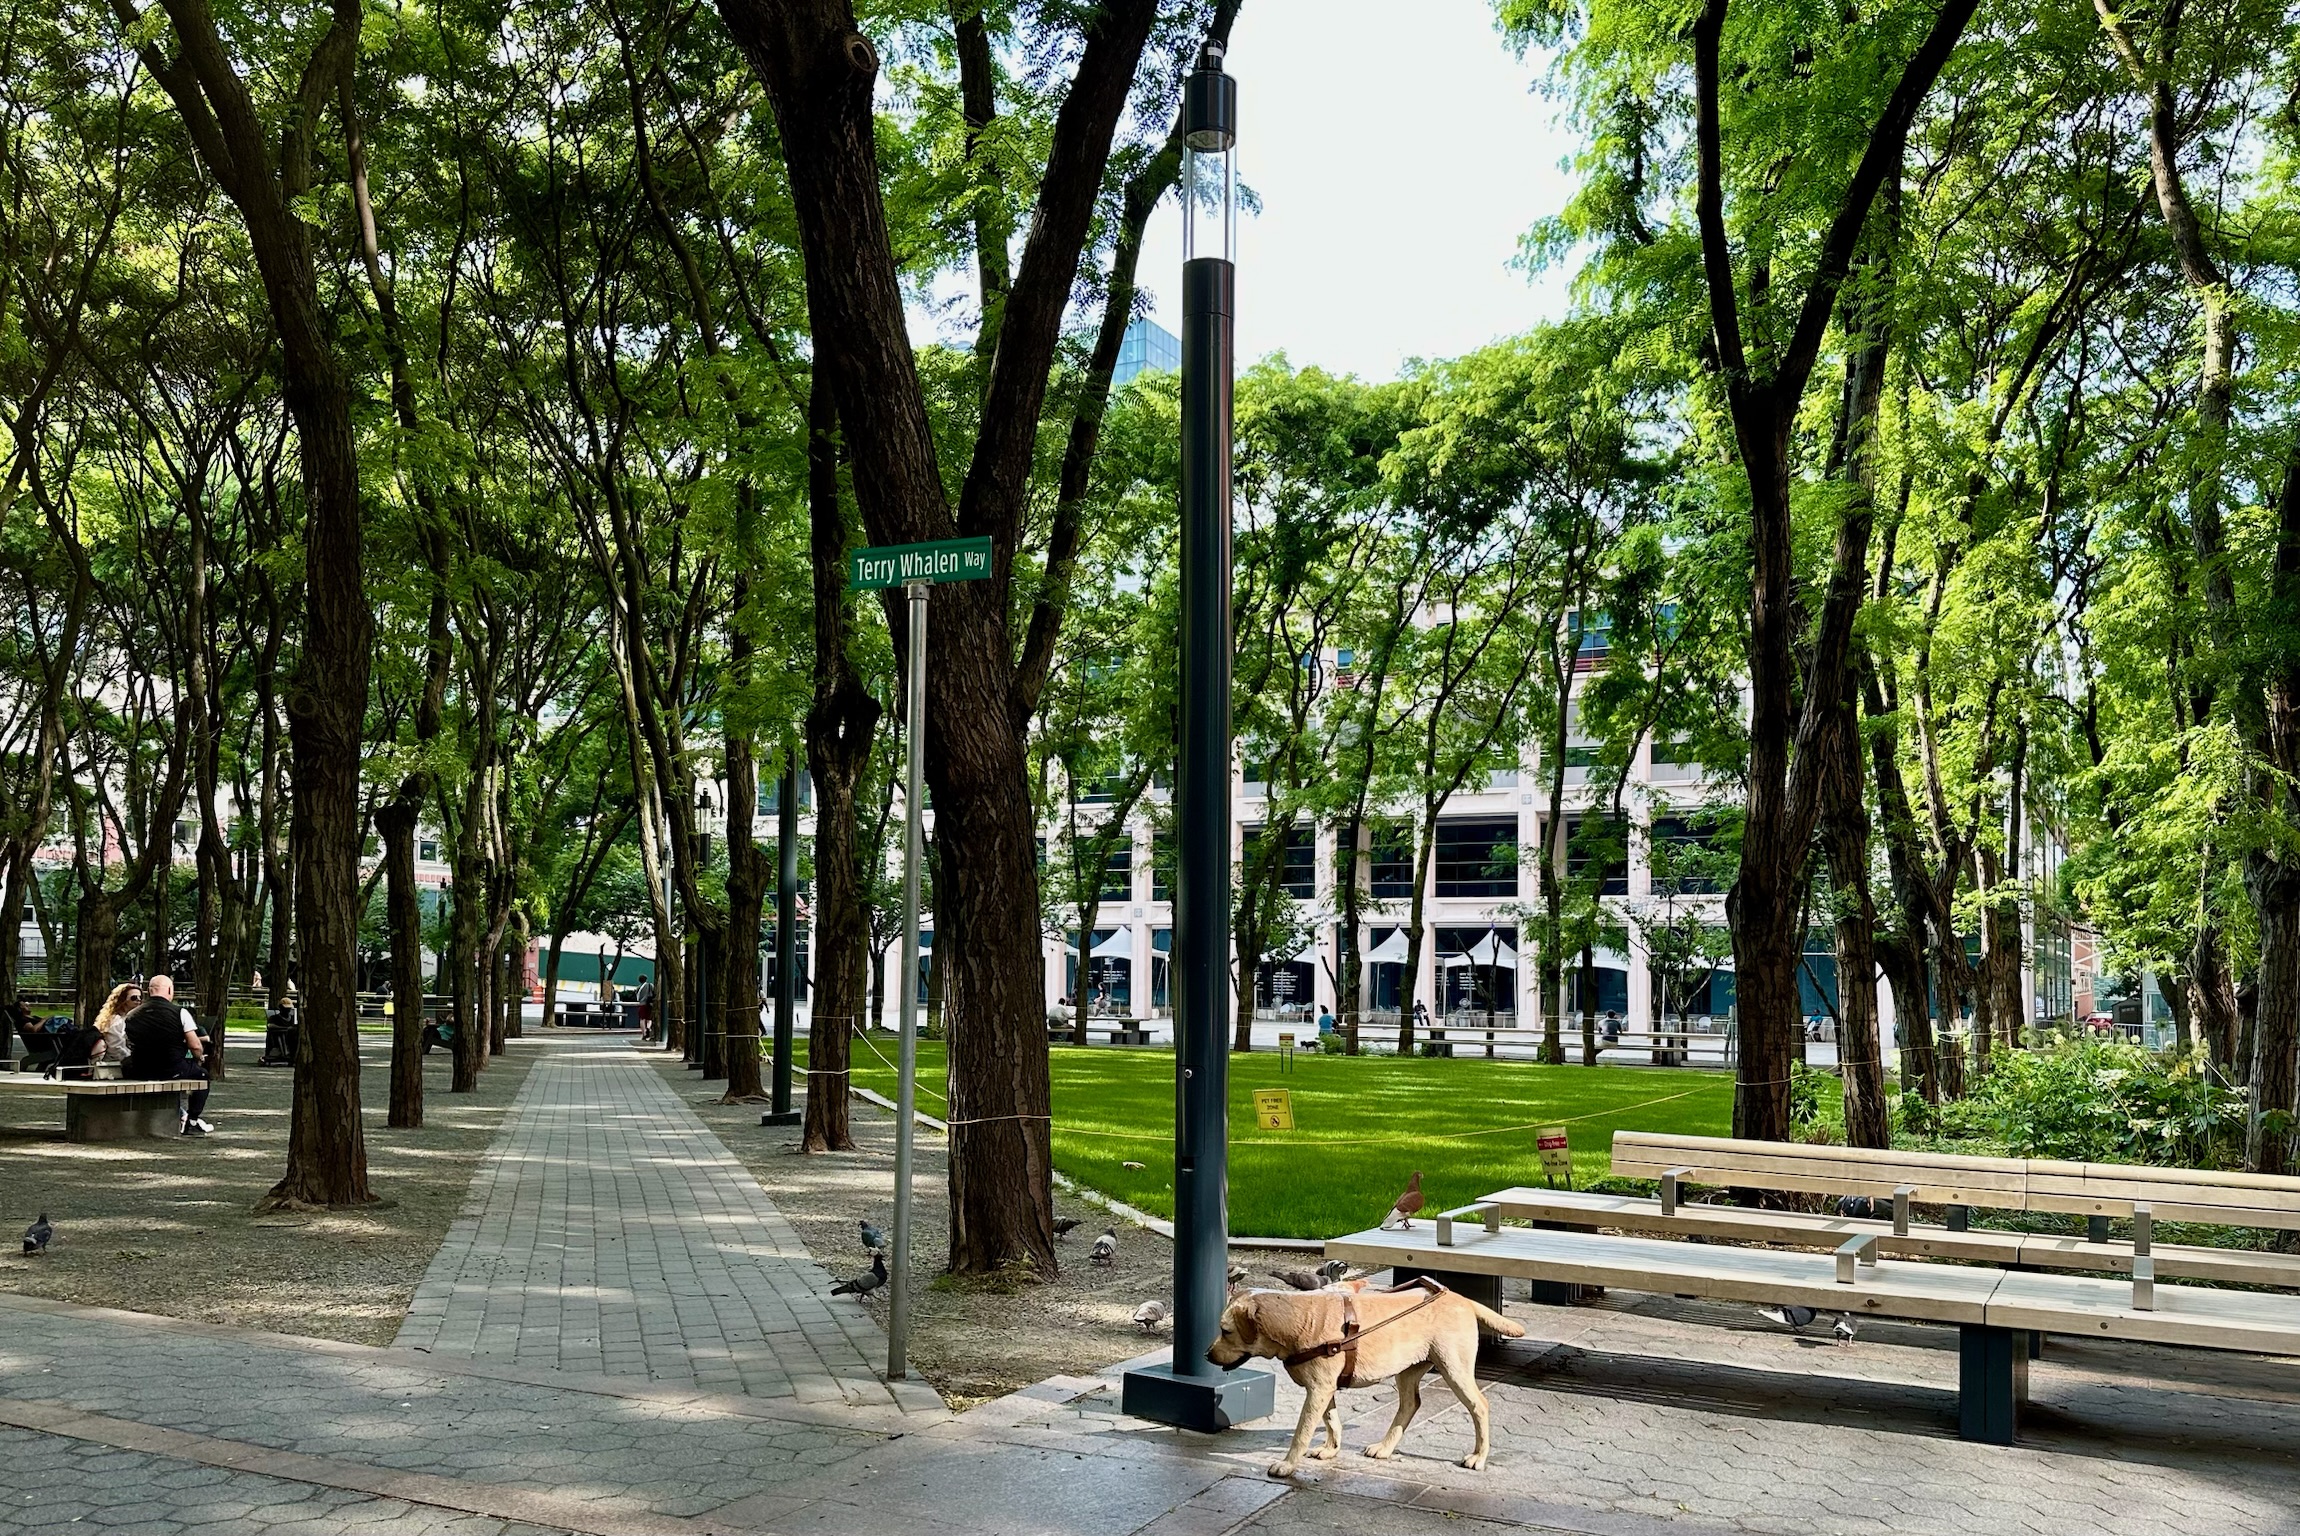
[
  {"x": 164, "y": 1041},
  {"x": 279, "y": 1037},
  {"x": 111, "y": 1024}
]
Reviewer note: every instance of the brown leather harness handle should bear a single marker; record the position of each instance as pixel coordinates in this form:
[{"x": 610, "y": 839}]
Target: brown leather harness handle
[{"x": 1347, "y": 1345}]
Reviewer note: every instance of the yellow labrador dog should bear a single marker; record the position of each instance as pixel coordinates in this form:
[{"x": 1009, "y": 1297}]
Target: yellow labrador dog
[{"x": 1341, "y": 1338}]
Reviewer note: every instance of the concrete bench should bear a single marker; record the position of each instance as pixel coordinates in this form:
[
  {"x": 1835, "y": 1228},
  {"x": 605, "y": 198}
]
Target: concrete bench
[
  {"x": 1996, "y": 1312},
  {"x": 108, "y": 1109}
]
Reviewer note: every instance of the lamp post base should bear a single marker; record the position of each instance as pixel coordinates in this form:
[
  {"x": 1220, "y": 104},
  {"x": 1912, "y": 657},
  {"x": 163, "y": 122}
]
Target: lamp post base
[
  {"x": 1208, "y": 1404},
  {"x": 781, "y": 1117}
]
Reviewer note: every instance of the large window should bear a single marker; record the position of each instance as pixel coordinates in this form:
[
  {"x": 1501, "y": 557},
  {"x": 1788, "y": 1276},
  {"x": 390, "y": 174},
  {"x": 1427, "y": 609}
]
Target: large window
[
  {"x": 1393, "y": 864},
  {"x": 1594, "y": 844},
  {"x": 1118, "y": 874},
  {"x": 1685, "y": 857},
  {"x": 1477, "y": 858},
  {"x": 1592, "y": 634},
  {"x": 1297, "y": 860}
]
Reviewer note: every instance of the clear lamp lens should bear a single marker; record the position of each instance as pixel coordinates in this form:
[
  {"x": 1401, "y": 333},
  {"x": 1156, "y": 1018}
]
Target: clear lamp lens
[{"x": 1209, "y": 204}]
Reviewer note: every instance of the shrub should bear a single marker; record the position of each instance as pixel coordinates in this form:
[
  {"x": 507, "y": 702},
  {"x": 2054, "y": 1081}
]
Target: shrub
[
  {"x": 1810, "y": 1091},
  {"x": 2102, "y": 1101}
]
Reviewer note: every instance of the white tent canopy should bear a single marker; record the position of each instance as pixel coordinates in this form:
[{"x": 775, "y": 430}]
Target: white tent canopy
[
  {"x": 1119, "y": 946},
  {"x": 1390, "y": 951},
  {"x": 1488, "y": 951}
]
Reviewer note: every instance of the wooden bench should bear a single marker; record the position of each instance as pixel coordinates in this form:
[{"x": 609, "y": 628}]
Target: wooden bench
[
  {"x": 2097, "y": 1191},
  {"x": 1997, "y": 1312},
  {"x": 108, "y": 1109},
  {"x": 2025, "y": 1250}
]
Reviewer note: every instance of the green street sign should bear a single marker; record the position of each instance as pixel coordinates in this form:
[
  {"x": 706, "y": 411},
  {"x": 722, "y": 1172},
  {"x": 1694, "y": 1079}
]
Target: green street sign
[{"x": 894, "y": 565}]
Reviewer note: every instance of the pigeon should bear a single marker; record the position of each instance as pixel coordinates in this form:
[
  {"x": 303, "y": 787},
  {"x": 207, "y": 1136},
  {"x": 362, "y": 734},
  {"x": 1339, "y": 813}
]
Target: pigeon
[
  {"x": 1106, "y": 1248},
  {"x": 1299, "y": 1279},
  {"x": 1795, "y": 1319},
  {"x": 1845, "y": 1329},
  {"x": 1402, "y": 1213},
  {"x": 1149, "y": 1315},
  {"x": 1237, "y": 1273},
  {"x": 36, "y": 1236},
  {"x": 872, "y": 1237},
  {"x": 1064, "y": 1226},
  {"x": 863, "y": 1285},
  {"x": 1862, "y": 1207}
]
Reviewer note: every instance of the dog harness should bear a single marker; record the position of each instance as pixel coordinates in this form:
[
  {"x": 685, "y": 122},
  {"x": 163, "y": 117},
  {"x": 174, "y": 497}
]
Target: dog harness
[{"x": 1347, "y": 1345}]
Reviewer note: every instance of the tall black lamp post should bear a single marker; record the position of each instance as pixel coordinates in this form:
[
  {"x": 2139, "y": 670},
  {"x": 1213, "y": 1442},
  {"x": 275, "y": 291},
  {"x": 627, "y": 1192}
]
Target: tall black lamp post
[{"x": 1190, "y": 1391}]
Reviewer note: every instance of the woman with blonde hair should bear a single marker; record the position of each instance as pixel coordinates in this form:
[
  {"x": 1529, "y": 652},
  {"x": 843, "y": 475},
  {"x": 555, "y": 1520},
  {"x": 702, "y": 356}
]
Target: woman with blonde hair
[{"x": 112, "y": 1022}]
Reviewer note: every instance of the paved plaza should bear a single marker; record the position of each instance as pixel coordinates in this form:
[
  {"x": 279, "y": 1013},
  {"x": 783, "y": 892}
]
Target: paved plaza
[{"x": 622, "y": 1338}]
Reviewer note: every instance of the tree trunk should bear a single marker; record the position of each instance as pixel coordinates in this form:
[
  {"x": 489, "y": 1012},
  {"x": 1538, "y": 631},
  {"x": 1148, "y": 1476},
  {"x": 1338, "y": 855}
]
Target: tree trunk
[
  {"x": 465, "y": 972},
  {"x": 2275, "y": 889},
  {"x": 747, "y": 875},
  {"x": 820, "y": 73},
  {"x": 1350, "y": 972},
  {"x": 2205, "y": 999},
  {"x": 1845, "y": 828},
  {"x": 327, "y": 704},
  {"x": 395, "y": 820},
  {"x": 1765, "y": 905}
]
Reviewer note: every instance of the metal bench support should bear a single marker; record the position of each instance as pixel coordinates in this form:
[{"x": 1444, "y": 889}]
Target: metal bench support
[
  {"x": 1485, "y": 1290},
  {"x": 1992, "y": 1381}
]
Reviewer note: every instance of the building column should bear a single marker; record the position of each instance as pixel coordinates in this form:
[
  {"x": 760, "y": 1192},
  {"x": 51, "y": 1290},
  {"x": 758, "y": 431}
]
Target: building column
[{"x": 1640, "y": 978}]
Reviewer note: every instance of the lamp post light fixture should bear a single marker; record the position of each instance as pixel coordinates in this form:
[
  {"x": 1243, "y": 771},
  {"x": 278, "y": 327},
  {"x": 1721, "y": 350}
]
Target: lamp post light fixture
[{"x": 1190, "y": 1391}]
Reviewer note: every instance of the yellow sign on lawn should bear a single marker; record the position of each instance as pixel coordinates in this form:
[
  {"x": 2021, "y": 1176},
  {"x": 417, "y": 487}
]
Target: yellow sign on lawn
[{"x": 1274, "y": 1109}]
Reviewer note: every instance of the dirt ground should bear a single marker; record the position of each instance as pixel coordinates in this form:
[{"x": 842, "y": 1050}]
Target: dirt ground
[
  {"x": 973, "y": 1341},
  {"x": 170, "y": 1227}
]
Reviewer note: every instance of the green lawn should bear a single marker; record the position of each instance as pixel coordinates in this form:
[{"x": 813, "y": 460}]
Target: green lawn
[{"x": 1362, "y": 1125}]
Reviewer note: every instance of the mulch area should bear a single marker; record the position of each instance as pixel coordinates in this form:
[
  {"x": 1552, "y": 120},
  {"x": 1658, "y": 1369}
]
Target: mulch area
[
  {"x": 974, "y": 1340},
  {"x": 170, "y": 1226}
]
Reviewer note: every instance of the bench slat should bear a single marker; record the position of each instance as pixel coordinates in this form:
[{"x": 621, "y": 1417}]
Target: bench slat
[
  {"x": 2240, "y": 1266},
  {"x": 1760, "y": 1276},
  {"x": 1941, "y": 1178}
]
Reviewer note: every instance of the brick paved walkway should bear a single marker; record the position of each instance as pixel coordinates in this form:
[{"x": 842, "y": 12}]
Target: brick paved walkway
[
  {"x": 623, "y": 1338},
  {"x": 609, "y": 1232}
]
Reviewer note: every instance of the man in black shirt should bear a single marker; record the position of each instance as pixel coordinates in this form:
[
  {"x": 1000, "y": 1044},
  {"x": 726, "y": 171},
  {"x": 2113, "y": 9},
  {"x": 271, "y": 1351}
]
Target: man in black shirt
[{"x": 164, "y": 1042}]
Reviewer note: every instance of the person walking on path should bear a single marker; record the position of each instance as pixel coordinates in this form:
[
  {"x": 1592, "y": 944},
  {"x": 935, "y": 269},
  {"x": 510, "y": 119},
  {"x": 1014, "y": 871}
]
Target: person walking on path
[
  {"x": 645, "y": 998},
  {"x": 164, "y": 1041}
]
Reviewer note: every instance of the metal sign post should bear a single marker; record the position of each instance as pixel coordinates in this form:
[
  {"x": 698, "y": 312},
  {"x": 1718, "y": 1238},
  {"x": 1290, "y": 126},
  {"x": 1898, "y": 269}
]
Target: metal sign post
[
  {"x": 915, "y": 568},
  {"x": 906, "y": 1083}
]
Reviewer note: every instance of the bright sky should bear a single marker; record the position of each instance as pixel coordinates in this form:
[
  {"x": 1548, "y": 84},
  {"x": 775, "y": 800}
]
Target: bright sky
[{"x": 1400, "y": 152}]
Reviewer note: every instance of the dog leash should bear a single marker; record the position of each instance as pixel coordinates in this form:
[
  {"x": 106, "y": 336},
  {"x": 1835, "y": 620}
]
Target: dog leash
[{"x": 1347, "y": 1345}]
